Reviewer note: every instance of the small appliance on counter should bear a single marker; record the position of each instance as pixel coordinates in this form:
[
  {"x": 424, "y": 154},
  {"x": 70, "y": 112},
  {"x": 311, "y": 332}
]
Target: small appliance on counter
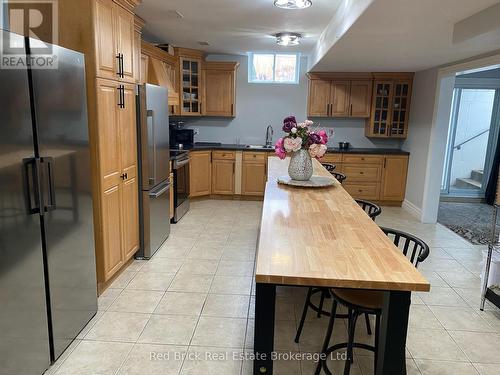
[
  {"x": 154, "y": 157},
  {"x": 180, "y": 166},
  {"x": 184, "y": 137},
  {"x": 344, "y": 145}
]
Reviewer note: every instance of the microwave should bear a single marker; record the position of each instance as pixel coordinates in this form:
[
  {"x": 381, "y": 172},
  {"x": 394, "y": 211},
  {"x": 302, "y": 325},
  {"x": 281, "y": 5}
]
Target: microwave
[{"x": 181, "y": 136}]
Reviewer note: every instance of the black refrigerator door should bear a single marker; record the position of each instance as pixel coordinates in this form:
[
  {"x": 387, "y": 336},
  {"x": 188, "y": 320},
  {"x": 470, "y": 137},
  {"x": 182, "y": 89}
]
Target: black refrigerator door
[
  {"x": 61, "y": 113},
  {"x": 24, "y": 338}
]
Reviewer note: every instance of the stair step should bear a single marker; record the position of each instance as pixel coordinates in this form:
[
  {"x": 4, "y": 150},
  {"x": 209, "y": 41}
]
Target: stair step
[
  {"x": 477, "y": 175},
  {"x": 467, "y": 183}
]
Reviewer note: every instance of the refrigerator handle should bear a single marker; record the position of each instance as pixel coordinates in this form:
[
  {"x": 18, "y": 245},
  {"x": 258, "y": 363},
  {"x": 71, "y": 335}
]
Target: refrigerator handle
[
  {"x": 150, "y": 113},
  {"x": 31, "y": 186},
  {"x": 49, "y": 162}
]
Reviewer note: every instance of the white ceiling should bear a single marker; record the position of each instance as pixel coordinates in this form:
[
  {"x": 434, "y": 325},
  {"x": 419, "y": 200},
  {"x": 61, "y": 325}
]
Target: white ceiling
[
  {"x": 408, "y": 35},
  {"x": 233, "y": 26}
]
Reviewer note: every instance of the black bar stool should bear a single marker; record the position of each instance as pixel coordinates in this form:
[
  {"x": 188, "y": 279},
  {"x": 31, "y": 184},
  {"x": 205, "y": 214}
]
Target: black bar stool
[
  {"x": 339, "y": 176},
  {"x": 329, "y": 167},
  {"x": 372, "y": 210},
  {"x": 359, "y": 302}
]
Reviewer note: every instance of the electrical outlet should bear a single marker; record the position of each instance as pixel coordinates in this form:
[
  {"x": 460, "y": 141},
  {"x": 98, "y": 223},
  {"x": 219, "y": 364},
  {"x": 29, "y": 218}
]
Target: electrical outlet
[{"x": 196, "y": 131}]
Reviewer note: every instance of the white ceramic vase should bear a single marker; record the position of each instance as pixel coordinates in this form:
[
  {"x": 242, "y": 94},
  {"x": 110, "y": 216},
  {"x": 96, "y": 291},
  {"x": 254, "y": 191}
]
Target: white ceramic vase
[{"x": 300, "y": 168}]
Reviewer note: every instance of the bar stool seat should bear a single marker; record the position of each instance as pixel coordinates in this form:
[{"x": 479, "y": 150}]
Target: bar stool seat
[{"x": 371, "y": 299}]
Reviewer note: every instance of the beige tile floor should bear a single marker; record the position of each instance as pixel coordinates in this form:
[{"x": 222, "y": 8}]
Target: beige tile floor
[{"x": 189, "y": 310}]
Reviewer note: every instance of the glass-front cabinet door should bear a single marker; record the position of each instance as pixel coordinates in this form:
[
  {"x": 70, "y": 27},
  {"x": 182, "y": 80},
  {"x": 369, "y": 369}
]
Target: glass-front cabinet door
[
  {"x": 400, "y": 107},
  {"x": 191, "y": 90},
  {"x": 381, "y": 109}
]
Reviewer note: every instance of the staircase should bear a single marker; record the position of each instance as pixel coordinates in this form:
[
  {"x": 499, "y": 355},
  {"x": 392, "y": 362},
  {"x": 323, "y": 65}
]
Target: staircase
[{"x": 474, "y": 182}]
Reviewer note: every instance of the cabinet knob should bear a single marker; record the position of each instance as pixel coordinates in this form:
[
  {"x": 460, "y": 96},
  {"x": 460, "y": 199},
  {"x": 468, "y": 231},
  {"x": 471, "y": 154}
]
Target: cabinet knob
[
  {"x": 124, "y": 176},
  {"x": 361, "y": 172}
]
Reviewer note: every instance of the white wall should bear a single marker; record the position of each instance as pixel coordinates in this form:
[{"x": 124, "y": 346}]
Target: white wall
[
  {"x": 260, "y": 104},
  {"x": 419, "y": 131}
]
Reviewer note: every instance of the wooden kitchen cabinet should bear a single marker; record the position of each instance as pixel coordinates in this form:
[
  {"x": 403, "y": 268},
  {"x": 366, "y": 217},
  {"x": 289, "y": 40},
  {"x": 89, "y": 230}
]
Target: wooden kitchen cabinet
[
  {"x": 219, "y": 88},
  {"x": 254, "y": 173},
  {"x": 390, "y": 106},
  {"x": 339, "y": 95},
  {"x": 319, "y": 98},
  {"x": 223, "y": 168},
  {"x": 114, "y": 36},
  {"x": 340, "y": 91},
  {"x": 138, "y": 25},
  {"x": 395, "y": 172},
  {"x": 190, "y": 82},
  {"x": 200, "y": 173},
  {"x": 118, "y": 165}
]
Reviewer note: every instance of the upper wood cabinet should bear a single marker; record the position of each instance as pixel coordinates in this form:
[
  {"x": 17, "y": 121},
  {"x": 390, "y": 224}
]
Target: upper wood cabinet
[
  {"x": 138, "y": 25},
  {"x": 190, "y": 82},
  {"x": 339, "y": 95},
  {"x": 390, "y": 105},
  {"x": 114, "y": 39},
  {"x": 219, "y": 88},
  {"x": 160, "y": 68},
  {"x": 200, "y": 173}
]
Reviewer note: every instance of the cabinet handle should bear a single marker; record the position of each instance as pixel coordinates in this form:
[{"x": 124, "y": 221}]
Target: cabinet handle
[
  {"x": 350, "y": 110},
  {"x": 385, "y": 162},
  {"x": 119, "y": 96},
  {"x": 124, "y": 176},
  {"x": 328, "y": 109},
  {"x": 119, "y": 65},
  {"x": 361, "y": 172}
]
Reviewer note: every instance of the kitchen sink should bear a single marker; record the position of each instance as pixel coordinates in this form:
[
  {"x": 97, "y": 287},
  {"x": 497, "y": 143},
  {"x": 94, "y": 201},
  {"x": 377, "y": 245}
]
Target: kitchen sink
[{"x": 260, "y": 147}]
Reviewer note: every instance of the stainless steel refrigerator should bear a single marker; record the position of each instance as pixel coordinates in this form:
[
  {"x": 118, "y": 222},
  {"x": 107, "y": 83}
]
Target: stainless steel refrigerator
[
  {"x": 47, "y": 263},
  {"x": 154, "y": 169}
]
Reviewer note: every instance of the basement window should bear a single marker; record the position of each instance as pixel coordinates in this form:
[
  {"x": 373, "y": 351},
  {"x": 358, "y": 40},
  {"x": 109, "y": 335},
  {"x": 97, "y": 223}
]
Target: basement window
[{"x": 273, "y": 68}]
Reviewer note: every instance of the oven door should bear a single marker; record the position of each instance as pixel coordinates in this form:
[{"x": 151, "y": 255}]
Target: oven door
[{"x": 181, "y": 188}]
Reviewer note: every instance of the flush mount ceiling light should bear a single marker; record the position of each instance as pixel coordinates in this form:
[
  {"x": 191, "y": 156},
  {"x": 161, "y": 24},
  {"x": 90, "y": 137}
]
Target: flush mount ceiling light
[
  {"x": 288, "y": 39},
  {"x": 293, "y": 4}
]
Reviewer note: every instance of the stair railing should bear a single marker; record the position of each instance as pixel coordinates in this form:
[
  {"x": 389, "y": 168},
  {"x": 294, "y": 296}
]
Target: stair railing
[{"x": 459, "y": 146}]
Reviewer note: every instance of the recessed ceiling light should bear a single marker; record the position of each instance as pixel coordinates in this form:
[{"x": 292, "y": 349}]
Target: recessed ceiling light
[
  {"x": 288, "y": 39},
  {"x": 293, "y": 4}
]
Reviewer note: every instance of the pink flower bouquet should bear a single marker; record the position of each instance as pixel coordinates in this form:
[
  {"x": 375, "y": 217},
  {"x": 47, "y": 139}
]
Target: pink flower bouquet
[{"x": 301, "y": 136}]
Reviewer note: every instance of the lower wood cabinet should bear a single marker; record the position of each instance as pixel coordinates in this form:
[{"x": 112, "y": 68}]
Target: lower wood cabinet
[
  {"x": 394, "y": 176},
  {"x": 254, "y": 173},
  {"x": 223, "y": 174},
  {"x": 380, "y": 178},
  {"x": 200, "y": 173}
]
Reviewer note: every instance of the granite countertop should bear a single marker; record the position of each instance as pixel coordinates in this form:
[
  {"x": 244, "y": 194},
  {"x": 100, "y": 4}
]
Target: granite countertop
[{"x": 242, "y": 147}]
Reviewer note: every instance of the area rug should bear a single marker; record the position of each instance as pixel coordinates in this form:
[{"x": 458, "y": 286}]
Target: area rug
[{"x": 471, "y": 221}]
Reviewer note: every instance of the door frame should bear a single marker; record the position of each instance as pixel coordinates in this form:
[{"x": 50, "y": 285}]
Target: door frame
[{"x": 461, "y": 85}]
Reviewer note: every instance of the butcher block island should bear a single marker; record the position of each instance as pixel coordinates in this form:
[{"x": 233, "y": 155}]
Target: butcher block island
[{"x": 321, "y": 237}]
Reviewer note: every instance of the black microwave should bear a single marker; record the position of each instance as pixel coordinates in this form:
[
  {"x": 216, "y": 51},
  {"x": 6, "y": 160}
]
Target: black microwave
[{"x": 181, "y": 136}]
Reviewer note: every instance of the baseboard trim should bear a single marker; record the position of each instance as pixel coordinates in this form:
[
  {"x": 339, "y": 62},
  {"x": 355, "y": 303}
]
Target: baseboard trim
[{"x": 412, "y": 209}]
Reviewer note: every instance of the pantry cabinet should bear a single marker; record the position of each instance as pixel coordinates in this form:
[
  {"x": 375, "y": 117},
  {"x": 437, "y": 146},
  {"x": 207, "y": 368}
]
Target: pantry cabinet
[
  {"x": 107, "y": 33},
  {"x": 339, "y": 95},
  {"x": 118, "y": 165}
]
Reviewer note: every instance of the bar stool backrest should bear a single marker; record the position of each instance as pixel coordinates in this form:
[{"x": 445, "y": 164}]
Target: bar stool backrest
[
  {"x": 412, "y": 247},
  {"x": 339, "y": 176},
  {"x": 329, "y": 167},
  {"x": 372, "y": 209}
]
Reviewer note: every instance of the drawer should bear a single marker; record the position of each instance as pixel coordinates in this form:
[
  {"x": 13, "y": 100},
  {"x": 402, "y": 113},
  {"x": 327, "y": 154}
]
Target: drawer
[
  {"x": 362, "y": 172},
  {"x": 372, "y": 159},
  {"x": 255, "y": 156},
  {"x": 362, "y": 190},
  {"x": 223, "y": 155},
  {"x": 331, "y": 158}
]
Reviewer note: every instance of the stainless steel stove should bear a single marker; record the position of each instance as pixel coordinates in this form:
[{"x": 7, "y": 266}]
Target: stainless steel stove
[{"x": 180, "y": 168}]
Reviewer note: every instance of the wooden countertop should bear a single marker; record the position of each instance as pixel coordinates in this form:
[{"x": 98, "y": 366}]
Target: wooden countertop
[{"x": 321, "y": 237}]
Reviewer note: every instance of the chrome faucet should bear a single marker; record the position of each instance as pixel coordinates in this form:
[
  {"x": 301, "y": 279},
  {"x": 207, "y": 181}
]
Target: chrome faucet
[{"x": 269, "y": 137}]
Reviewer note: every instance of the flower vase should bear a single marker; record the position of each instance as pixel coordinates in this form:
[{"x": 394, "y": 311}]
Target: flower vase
[{"x": 300, "y": 168}]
